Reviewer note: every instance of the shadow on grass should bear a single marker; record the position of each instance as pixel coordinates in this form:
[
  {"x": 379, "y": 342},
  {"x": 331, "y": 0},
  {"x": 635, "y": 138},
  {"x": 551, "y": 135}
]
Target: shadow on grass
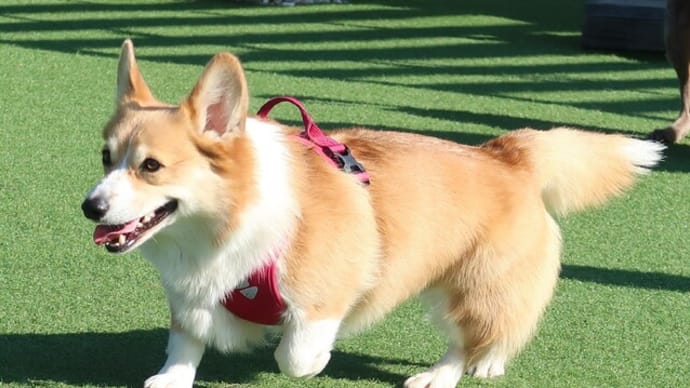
[
  {"x": 462, "y": 118},
  {"x": 676, "y": 158},
  {"x": 82, "y": 358},
  {"x": 131, "y": 357},
  {"x": 626, "y": 278},
  {"x": 536, "y": 28}
]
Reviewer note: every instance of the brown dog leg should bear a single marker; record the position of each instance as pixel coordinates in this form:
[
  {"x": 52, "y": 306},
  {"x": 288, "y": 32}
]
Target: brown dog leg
[{"x": 678, "y": 53}]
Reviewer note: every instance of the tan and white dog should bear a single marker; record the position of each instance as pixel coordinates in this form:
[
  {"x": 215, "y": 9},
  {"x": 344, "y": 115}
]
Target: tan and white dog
[{"x": 210, "y": 194}]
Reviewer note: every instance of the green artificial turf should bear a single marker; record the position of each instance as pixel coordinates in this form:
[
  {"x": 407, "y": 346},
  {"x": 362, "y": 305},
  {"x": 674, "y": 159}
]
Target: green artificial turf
[{"x": 73, "y": 315}]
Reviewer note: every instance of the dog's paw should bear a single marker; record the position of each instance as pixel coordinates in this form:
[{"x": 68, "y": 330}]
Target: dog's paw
[
  {"x": 433, "y": 378},
  {"x": 445, "y": 374},
  {"x": 169, "y": 380},
  {"x": 319, "y": 363},
  {"x": 488, "y": 369},
  {"x": 421, "y": 380},
  {"x": 302, "y": 367}
]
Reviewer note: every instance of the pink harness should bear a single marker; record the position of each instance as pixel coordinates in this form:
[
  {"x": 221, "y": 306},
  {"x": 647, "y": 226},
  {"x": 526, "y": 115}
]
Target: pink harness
[{"x": 258, "y": 299}]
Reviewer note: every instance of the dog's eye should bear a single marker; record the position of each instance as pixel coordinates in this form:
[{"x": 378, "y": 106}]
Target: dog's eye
[
  {"x": 105, "y": 157},
  {"x": 150, "y": 165}
]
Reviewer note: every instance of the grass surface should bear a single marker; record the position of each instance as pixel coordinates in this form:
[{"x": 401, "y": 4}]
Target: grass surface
[{"x": 72, "y": 315}]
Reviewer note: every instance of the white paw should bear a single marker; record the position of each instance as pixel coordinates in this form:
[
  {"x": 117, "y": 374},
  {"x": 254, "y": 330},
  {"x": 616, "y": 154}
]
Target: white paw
[
  {"x": 488, "y": 368},
  {"x": 302, "y": 367},
  {"x": 433, "y": 378},
  {"x": 421, "y": 380},
  {"x": 169, "y": 380},
  {"x": 319, "y": 363},
  {"x": 445, "y": 374}
]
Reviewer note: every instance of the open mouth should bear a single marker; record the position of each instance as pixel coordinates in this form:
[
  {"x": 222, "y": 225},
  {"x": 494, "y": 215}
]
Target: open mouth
[{"x": 123, "y": 237}]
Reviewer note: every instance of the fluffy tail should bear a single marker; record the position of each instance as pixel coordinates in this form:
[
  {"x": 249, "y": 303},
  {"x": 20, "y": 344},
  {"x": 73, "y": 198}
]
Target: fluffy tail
[{"x": 577, "y": 169}]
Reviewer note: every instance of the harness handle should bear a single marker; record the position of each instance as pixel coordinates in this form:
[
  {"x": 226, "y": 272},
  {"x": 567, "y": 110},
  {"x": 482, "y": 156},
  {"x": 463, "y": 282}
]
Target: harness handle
[{"x": 337, "y": 154}]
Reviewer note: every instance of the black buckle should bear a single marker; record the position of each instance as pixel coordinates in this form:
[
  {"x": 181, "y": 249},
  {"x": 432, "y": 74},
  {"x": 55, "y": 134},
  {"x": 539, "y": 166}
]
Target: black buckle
[{"x": 345, "y": 160}]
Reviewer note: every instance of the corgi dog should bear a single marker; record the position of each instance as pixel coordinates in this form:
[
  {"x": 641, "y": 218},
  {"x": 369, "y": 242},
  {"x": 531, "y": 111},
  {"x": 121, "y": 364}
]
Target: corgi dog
[{"x": 232, "y": 208}]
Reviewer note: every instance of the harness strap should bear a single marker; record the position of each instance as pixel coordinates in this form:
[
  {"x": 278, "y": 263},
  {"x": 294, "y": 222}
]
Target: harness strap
[{"x": 312, "y": 136}]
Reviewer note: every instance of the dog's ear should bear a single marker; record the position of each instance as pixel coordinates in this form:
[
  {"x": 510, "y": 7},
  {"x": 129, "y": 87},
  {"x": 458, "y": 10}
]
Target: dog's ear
[
  {"x": 219, "y": 101},
  {"x": 130, "y": 83}
]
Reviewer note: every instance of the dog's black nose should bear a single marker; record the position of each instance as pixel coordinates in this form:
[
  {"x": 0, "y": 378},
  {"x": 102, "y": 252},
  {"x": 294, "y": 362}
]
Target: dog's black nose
[{"x": 94, "y": 208}]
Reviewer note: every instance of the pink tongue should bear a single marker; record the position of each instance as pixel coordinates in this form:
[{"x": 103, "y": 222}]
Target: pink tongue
[{"x": 105, "y": 233}]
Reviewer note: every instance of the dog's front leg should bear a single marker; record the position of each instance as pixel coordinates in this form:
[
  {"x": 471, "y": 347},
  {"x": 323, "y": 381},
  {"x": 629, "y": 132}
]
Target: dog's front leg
[
  {"x": 184, "y": 355},
  {"x": 305, "y": 348}
]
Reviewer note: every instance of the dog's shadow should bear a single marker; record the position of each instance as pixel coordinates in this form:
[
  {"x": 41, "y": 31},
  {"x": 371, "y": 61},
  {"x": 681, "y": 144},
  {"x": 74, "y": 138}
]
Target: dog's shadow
[{"x": 128, "y": 358}]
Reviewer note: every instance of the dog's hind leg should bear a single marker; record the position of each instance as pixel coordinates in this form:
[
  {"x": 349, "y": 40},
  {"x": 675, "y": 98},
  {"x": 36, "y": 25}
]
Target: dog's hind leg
[
  {"x": 499, "y": 317},
  {"x": 491, "y": 364},
  {"x": 451, "y": 367},
  {"x": 445, "y": 374},
  {"x": 479, "y": 343},
  {"x": 489, "y": 304}
]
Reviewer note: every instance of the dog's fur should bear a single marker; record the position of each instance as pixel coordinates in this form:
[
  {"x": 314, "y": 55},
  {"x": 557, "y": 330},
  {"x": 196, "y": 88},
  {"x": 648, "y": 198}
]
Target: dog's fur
[
  {"x": 471, "y": 229},
  {"x": 677, "y": 42}
]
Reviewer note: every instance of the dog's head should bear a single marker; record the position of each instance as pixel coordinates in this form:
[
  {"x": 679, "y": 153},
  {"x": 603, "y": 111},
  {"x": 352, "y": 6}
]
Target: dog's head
[{"x": 164, "y": 164}]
